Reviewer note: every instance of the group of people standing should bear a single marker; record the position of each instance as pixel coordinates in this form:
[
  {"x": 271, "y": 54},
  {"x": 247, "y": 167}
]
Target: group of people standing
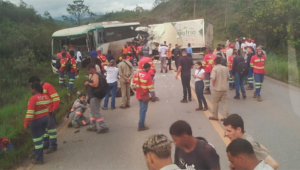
[{"x": 193, "y": 153}]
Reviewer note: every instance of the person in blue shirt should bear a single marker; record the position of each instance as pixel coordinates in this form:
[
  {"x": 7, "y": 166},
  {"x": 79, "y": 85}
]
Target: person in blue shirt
[
  {"x": 189, "y": 50},
  {"x": 109, "y": 56}
]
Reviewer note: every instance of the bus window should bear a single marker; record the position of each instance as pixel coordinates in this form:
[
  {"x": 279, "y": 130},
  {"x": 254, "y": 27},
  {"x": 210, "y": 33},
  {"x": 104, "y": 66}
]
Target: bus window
[
  {"x": 91, "y": 40},
  {"x": 100, "y": 36}
]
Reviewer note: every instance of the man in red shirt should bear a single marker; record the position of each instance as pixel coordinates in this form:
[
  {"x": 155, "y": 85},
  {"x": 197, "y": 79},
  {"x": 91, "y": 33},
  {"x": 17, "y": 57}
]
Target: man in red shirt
[
  {"x": 208, "y": 64},
  {"x": 50, "y": 137},
  {"x": 37, "y": 117},
  {"x": 143, "y": 85},
  {"x": 258, "y": 63}
]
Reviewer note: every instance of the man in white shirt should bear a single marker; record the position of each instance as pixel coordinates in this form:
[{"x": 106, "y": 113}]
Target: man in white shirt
[
  {"x": 237, "y": 45},
  {"x": 241, "y": 155},
  {"x": 163, "y": 57},
  {"x": 229, "y": 51},
  {"x": 78, "y": 60},
  {"x": 244, "y": 48},
  {"x": 157, "y": 152}
]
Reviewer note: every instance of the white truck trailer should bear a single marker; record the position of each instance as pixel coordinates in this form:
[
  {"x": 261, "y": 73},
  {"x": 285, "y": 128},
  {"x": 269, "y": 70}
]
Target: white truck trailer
[{"x": 199, "y": 33}]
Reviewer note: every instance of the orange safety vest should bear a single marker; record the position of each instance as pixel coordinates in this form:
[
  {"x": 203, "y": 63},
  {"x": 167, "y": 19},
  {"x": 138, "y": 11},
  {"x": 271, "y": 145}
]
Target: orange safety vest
[{"x": 125, "y": 50}]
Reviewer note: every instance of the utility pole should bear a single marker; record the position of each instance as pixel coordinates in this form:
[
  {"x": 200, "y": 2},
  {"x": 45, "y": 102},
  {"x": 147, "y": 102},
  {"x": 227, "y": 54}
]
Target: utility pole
[{"x": 194, "y": 8}]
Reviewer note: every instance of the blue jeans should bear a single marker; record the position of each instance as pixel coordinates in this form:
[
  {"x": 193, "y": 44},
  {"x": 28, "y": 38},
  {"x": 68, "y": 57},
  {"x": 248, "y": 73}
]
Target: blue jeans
[
  {"x": 250, "y": 77},
  {"x": 239, "y": 82},
  {"x": 71, "y": 80},
  {"x": 231, "y": 80},
  {"x": 259, "y": 78},
  {"x": 112, "y": 89},
  {"x": 50, "y": 136},
  {"x": 199, "y": 87},
  {"x": 143, "y": 110}
]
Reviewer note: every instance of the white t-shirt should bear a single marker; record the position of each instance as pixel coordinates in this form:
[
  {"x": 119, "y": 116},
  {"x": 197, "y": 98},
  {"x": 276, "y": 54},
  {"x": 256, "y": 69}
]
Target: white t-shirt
[
  {"x": 163, "y": 51},
  {"x": 263, "y": 166},
  {"x": 78, "y": 56},
  {"x": 250, "y": 44},
  {"x": 112, "y": 74},
  {"x": 199, "y": 73},
  {"x": 243, "y": 46}
]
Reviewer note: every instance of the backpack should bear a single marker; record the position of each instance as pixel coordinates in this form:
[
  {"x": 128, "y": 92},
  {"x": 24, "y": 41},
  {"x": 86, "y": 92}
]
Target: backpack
[
  {"x": 102, "y": 88},
  {"x": 242, "y": 69},
  {"x": 68, "y": 66},
  {"x": 57, "y": 64}
]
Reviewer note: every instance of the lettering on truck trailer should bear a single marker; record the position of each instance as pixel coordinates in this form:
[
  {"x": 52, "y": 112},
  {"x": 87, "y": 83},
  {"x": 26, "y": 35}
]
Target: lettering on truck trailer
[{"x": 186, "y": 31}]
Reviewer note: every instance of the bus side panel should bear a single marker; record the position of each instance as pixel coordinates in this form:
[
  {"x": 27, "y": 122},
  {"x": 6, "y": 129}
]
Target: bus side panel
[{"x": 115, "y": 47}]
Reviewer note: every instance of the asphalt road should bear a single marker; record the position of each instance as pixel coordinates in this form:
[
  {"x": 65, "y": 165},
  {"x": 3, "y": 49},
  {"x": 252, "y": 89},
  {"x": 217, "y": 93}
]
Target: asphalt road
[{"x": 274, "y": 122}]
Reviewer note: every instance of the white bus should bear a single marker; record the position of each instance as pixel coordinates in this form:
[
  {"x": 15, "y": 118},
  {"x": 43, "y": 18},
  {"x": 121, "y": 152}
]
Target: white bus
[{"x": 102, "y": 36}]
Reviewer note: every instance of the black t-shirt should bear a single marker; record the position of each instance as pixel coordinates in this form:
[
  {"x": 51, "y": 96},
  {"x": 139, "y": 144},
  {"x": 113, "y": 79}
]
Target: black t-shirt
[
  {"x": 203, "y": 157},
  {"x": 186, "y": 63}
]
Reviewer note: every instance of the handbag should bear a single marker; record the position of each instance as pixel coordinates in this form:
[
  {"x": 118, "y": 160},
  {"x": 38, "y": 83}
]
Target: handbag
[{"x": 144, "y": 96}]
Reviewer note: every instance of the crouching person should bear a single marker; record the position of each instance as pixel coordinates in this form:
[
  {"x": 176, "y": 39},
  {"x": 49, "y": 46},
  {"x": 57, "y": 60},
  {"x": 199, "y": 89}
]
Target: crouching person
[{"x": 76, "y": 115}]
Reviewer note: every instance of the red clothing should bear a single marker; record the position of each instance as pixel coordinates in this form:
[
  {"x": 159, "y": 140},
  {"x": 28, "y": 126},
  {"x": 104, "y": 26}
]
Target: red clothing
[
  {"x": 37, "y": 107},
  {"x": 230, "y": 62},
  {"x": 4, "y": 142},
  {"x": 129, "y": 50},
  {"x": 139, "y": 49},
  {"x": 124, "y": 50},
  {"x": 103, "y": 60},
  {"x": 133, "y": 47},
  {"x": 145, "y": 60},
  {"x": 73, "y": 69},
  {"x": 258, "y": 64},
  {"x": 143, "y": 81},
  {"x": 59, "y": 55},
  {"x": 51, "y": 92},
  {"x": 208, "y": 62},
  {"x": 63, "y": 63}
]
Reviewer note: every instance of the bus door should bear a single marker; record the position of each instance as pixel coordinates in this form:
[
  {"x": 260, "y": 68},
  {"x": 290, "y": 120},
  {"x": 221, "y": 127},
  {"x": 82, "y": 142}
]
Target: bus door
[{"x": 91, "y": 40}]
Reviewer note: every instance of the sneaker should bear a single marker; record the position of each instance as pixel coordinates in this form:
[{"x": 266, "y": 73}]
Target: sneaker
[
  {"x": 113, "y": 108},
  {"x": 51, "y": 150},
  {"x": 183, "y": 101},
  {"x": 166, "y": 71},
  {"x": 244, "y": 96},
  {"x": 205, "y": 109},
  {"x": 231, "y": 88},
  {"x": 70, "y": 124},
  {"x": 207, "y": 92},
  {"x": 255, "y": 95},
  {"x": 143, "y": 128},
  {"x": 223, "y": 119},
  {"x": 104, "y": 108},
  {"x": 123, "y": 107},
  {"x": 199, "y": 109},
  {"x": 237, "y": 97},
  {"x": 161, "y": 71},
  {"x": 128, "y": 106},
  {"x": 102, "y": 131},
  {"x": 37, "y": 162},
  {"x": 259, "y": 98},
  {"x": 91, "y": 130},
  {"x": 190, "y": 99},
  {"x": 249, "y": 88}
]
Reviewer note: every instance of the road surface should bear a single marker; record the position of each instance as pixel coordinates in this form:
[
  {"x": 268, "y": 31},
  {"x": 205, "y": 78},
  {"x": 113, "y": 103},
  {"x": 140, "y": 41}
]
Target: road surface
[{"x": 275, "y": 123}]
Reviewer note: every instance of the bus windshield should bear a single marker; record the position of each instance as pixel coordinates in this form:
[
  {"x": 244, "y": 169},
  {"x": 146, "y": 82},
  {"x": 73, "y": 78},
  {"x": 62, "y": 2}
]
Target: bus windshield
[{"x": 77, "y": 42}]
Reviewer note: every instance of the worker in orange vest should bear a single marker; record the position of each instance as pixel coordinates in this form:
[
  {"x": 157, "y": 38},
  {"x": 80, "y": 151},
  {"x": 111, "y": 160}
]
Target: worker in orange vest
[
  {"x": 103, "y": 59},
  {"x": 208, "y": 63},
  {"x": 258, "y": 64},
  {"x": 143, "y": 85},
  {"x": 125, "y": 49},
  {"x": 61, "y": 70},
  {"x": 59, "y": 55}
]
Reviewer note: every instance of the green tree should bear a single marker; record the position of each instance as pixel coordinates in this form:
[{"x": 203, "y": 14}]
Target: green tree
[{"x": 78, "y": 12}]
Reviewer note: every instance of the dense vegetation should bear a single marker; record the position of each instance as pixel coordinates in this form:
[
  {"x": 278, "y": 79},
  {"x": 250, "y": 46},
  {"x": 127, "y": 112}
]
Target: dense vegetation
[
  {"x": 272, "y": 23},
  {"x": 24, "y": 51}
]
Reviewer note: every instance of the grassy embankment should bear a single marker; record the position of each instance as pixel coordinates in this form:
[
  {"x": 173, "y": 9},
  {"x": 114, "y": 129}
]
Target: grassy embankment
[{"x": 12, "y": 116}]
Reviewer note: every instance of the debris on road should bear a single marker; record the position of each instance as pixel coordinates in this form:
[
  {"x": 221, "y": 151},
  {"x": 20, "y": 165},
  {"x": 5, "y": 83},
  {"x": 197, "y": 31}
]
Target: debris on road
[
  {"x": 78, "y": 140},
  {"x": 76, "y": 131}
]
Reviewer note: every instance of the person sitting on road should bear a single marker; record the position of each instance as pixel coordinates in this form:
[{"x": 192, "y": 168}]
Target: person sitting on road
[
  {"x": 241, "y": 155},
  {"x": 191, "y": 152},
  {"x": 157, "y": 152},
  {"x": 234, "y": 128},
  {"x": 76, "y": 116}
]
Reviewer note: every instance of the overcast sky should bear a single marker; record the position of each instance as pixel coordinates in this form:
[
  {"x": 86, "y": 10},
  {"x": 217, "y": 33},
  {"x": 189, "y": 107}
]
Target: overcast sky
[{"x": 57, "y": 8}]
